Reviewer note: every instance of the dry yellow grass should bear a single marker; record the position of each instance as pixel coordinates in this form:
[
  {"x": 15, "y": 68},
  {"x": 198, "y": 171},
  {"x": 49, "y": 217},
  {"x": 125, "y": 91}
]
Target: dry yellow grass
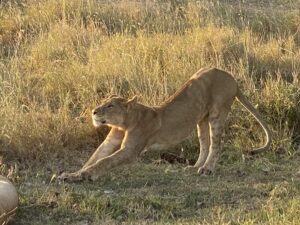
[{"x": 59, "y": 58}]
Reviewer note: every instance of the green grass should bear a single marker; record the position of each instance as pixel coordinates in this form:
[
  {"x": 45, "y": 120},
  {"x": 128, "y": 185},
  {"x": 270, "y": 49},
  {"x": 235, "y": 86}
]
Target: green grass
[
  {"x": 59, "y": 59},
  {"x": 261, "y": 191}
]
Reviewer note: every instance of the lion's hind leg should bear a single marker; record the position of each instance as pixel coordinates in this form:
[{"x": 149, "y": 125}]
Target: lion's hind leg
[
  {"x": 216, "y": 123},
  {"x": 203, "y": 136}
]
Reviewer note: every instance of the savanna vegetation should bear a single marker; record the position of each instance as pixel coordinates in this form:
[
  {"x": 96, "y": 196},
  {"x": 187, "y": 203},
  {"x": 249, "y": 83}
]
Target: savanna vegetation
[{"x": 60, "y": 58}]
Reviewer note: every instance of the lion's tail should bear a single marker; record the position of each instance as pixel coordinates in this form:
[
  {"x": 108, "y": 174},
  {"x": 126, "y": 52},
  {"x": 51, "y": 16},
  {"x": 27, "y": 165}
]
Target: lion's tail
[{"x": 243, "y": 100}]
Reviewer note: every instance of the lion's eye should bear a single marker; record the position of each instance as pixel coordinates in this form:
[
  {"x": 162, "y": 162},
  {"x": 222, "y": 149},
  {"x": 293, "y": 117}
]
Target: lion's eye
[{"x": 109, "y": 106}]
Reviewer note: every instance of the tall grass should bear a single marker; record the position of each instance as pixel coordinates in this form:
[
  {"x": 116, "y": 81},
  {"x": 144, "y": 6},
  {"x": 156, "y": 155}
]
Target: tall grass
[{"x": 58, "y": 59}]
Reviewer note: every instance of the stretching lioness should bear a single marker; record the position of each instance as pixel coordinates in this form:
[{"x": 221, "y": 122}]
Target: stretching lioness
[{"x": 203, "y": 101}]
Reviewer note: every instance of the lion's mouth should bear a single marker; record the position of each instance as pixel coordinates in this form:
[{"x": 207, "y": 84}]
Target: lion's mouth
[{"x": 98, "y": 122}]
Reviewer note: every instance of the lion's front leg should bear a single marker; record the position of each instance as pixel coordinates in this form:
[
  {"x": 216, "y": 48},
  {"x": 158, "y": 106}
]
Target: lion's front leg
[
  {"x": 102, "y": 166},
  {"x": 131, "y": 148},
  {"x": 111, "y": 144}
]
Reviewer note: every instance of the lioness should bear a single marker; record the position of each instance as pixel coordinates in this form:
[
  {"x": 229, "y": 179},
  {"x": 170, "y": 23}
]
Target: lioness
[{"x": 203, "y": 101}]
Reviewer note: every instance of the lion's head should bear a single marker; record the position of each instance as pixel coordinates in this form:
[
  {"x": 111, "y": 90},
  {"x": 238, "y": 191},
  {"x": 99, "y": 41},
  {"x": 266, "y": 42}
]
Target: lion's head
[{"x": 113, "y": 111}]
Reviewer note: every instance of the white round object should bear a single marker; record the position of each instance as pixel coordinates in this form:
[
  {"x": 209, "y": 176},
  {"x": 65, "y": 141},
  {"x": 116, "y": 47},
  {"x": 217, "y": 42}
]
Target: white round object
[{"x": 8, "y": 199}]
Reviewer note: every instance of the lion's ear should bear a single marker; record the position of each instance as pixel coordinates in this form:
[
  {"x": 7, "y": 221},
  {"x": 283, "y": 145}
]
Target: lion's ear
[{"x": 131, "y": 101}]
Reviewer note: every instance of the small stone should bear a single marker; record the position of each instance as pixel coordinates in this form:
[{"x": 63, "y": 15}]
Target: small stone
[
  {"x": 109, "y": 192},
  {"x": 200, "y": 204}
]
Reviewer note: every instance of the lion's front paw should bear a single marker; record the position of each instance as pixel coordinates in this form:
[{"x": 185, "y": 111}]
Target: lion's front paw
[
  {"x": 90, "y": 176},
  {"x": 70, "y": 177},
  {"x": 204, "y": 171}
]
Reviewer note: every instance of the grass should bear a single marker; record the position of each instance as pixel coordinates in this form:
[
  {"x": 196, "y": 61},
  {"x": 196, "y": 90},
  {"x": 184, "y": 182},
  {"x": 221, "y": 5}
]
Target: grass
[
  {"x": 58, "y": 59},
  {"x": 261, "y": 191}
]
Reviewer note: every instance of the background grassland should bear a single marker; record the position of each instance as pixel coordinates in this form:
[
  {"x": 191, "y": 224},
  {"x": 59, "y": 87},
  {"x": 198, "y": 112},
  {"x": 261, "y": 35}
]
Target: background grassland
[{"x": 58, "y": 59}]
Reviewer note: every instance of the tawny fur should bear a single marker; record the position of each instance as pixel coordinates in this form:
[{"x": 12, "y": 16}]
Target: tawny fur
[{"x": 204, "y": 101}]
